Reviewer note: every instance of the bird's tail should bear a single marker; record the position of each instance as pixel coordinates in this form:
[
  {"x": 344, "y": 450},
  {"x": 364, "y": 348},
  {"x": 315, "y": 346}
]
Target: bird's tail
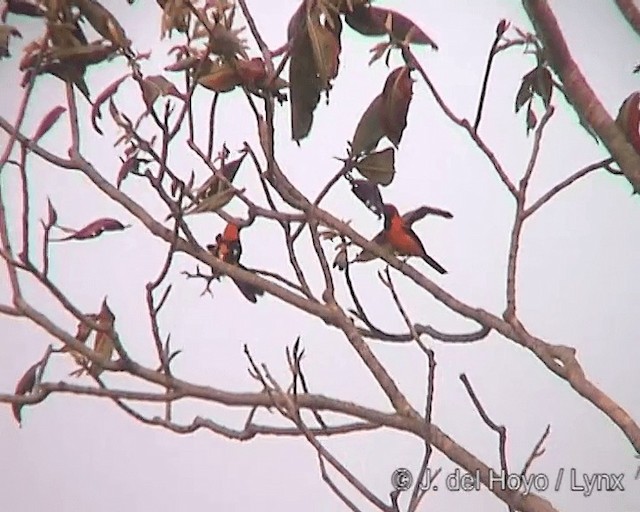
[
  {"x": 434, "y": 264},
  {"x": 250, "y": 292}
]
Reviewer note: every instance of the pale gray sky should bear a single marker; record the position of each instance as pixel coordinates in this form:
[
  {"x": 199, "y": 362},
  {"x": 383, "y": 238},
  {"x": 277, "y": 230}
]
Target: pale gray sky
[{"x": 577, "y": 256}]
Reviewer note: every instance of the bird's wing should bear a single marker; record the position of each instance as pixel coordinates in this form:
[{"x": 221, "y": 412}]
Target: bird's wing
[
  {"x": 367, "y": 255},
  {"x": 419, "y": 213}
]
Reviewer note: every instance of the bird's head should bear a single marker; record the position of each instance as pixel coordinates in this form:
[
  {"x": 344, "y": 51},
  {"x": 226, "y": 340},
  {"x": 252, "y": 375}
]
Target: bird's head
[{"x": 389, "y": 210}]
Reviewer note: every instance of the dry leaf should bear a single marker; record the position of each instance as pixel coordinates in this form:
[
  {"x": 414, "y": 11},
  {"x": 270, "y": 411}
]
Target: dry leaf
[
  {"x": 223, "y": 78},
  {"x": 378, "y": 167},
  {"x": 396, "y": 97}
]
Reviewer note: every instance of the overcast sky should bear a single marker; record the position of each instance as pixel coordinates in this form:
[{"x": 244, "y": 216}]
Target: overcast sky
[{"x": 578, "y": 256}]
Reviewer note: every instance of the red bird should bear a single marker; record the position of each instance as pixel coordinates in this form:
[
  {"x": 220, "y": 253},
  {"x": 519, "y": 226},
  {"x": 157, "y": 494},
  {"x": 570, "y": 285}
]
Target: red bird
[
  {"x": 229, "y": 249},
  {"x": 399, "y": 235}
]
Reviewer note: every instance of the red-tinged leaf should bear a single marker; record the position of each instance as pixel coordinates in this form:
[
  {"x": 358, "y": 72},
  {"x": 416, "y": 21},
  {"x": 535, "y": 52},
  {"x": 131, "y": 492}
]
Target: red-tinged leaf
[
  {"x": 221, "y": 79},
  {"x": 629, "y": 119},
  {"x": 25, "y": 385},
  {"x": 369, "y": 193},
  {"x": 47, "y": 123},
  {"x": 251, "y": 72},
  {"x": 371, "y": 21},
  {"x": 94, "y": 229},
  {"x": 102, "y": 97},
  {"x": 396, "y": 97},
  {"x": 183, "y": 64},
  {"x": 53, "y": 215},
  {"x": 155, "y": 86},
  {"x": 502, "y": 27},
  {"x": 532, "y": 120},
  {"x": 369, "y": 130},
  {"x": 128, "y": 166}
]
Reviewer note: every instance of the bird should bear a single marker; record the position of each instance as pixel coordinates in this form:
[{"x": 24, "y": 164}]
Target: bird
[
  {"x": 398, "y": 237},
  {"x": 229, "y": 249}
]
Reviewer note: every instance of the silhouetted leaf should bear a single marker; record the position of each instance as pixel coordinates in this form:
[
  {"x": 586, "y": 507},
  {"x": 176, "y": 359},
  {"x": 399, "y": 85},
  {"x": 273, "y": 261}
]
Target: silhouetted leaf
[
  {"x": 102, "y": 97},
  {"x": 396, "y": 97},
  {"x": 525, "y": 92},
  {"x": 369, "y": 193},
  {"x": 184, "y": 64},
  {"x": 131, "y": 164},
  {"x": 378, "y": 167},
  {"x": 629, "y": 119},
  {"x": 6, "y": 32},
  {"x": 370, "y": 21},
  {"x": 251, "y": 72},
  {"x": 25, "y": 8},
  {"x": 47, "y": 122},
  {"x": 369, "y": 130},
  {"x": 92, "y": 230},
  {"x": 25, "y": 385},
  {"x": 502, "y": 27}
]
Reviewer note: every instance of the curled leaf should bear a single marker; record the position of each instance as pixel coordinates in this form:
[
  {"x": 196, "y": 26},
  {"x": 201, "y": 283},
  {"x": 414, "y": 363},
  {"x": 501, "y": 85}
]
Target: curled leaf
[
  {"x": 378, "y": 167},
  {"x": 543, "y": 85},
  {"x": 369, "y": 193},
  {"x": 53, "y": 215},
  {"x": 102, "y": 97},
  {"x": 502, "y": 27},
  {"x": 25, "y": 385},
  {"x": 47, "y": 122},
  {"x": 156, "y": 86},
  {"x": 93, "y": 230},
  {"x": 340, "y": 260},
  {"x": 396, "y": 97},
  {"x": 251, "y": 72},
  {"x": 128, "y": 166}
]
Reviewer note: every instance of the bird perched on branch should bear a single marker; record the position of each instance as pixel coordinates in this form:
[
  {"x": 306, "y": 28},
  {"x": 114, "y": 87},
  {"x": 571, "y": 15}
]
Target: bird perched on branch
[
  {"x": 398, "y": 237},
  {"x": 229, "y": 249}
]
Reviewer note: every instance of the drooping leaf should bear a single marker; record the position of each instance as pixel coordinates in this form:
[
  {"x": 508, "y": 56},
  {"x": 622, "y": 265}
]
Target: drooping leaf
[
  {"x": 93, "y": 230},
  {"x": 369, "y": 130},
  {"x": 102, "y": 97},
  {"x": 525, "y": 92},
  {"x": 532, "y": 120},
  {"x": 378, "y": 167},
  {"x": 305, "y": 86},
  {"x": 325, "y": 44},
  {"x": 25, "y": 385},
  {"x": 396, "y": 98},
  {"x": 371, "y": 21},
  {"x": 629, "y": 119},
  {"x": 47, "y": 122},
  {"x": 369, "y": 193},
  {"x": 6, "y": 32},
  {"x": 543, "y": 85}
]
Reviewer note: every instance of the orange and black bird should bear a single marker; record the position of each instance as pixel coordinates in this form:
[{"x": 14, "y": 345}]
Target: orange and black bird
[
  {"x": 398, "y": 237},
  {"x": 401, "y": 237},
  {"x": 229, "y": 249}
]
